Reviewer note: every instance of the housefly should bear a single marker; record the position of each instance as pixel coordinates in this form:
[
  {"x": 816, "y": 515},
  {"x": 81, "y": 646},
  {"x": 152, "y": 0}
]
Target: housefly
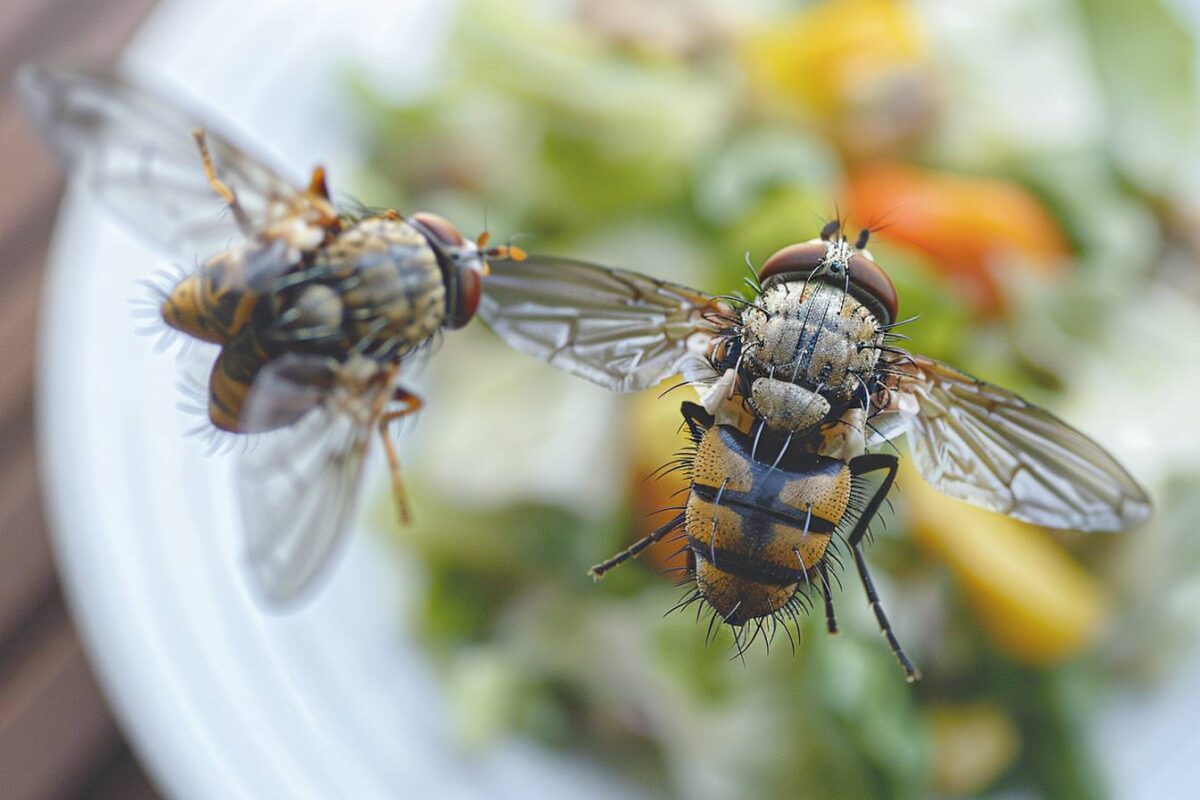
[
  {"x": 314, "y": 307},
  {"x": 798, "y": 382}
]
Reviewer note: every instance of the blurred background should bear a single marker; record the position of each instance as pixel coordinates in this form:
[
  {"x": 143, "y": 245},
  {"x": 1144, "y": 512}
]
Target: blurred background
[
  {"x": 57, "y": 736},
  {"x": 1031, "y": 172}
]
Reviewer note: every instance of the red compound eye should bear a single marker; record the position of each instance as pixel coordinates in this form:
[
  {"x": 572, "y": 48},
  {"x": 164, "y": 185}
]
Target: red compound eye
[
  {"x": 799, "y": 258},
  {"x": 439, "y": 227},
  {"x": 868, "y": 282},
  {"x": 464, "y": 302},
  {"x": 874, "y": 284}
]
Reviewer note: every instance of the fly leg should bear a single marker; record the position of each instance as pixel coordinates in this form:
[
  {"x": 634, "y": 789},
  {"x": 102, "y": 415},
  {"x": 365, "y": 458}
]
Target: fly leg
[
  {"x": 634, "y": 549},
  {"x": 827, "y": 591},
  {"x": 219, "y": 186},
  {"x": 860, "y": 466},
  {"x": 412, "y": 404}
]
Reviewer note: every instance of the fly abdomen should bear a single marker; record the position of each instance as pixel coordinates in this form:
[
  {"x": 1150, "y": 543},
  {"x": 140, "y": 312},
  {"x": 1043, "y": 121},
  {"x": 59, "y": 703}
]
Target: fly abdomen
[
  {"x": 758, "y": 530},
  {"x": 217, "y": 301},
  {"x": 232, "y": 375}
]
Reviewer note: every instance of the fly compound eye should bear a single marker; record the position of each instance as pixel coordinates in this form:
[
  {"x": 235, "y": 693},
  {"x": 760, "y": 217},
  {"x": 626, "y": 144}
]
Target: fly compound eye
[
  {"x": 462, "y": 301},
  {"x": 867, "y": 282},
  {"x": 439, "y": 227},
  {"x": 871, "y": 285},
  {"x": 795, "y": 259},
  {"x": 460, "y": 275}
]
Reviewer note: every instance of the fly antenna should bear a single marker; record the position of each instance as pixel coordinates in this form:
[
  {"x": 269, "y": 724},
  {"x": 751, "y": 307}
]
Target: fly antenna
[
  {"x": 831, "y": 228},
  {"x": 508, "y": 251}
]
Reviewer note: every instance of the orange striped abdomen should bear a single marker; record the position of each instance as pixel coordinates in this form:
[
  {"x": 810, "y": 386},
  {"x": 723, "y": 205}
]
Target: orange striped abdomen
[
  {"x": 216, "y": 302},
  {"x": 229, "y": 383},
  {"x": 756, "y": 533}
]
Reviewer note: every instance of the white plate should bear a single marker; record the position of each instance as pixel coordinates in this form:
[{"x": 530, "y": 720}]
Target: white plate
[{"x": 219, "y": 697}]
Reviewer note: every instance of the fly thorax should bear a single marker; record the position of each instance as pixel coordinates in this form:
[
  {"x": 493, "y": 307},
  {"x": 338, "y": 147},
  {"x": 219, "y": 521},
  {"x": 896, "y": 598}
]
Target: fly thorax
[
  {"x": 370, "y": 235},
  {"x": 300, "y": 222},
  {"x": 310, "y": 315},
  {"x": 807, "y": 350},
  {"x": 318, "y": 305},
  {"x": 787, "y": 407},
  {"x": 389, "y": 281}
]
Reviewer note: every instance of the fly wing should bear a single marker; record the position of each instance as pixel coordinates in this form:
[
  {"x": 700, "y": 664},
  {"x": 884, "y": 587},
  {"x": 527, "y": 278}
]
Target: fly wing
[
  {"x": 298, "y": 486},
  {"x": 138, "y": 154},
  {"x": 619, "y": 329},
  {"x": 985, "y": 445}
]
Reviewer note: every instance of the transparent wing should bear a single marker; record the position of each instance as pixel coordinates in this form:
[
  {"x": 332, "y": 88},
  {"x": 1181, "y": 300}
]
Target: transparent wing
[
  {"x": 137, "y": 152},
  {"x": 298, "y": 486},
  {"x": 985, "y": 445},
  {"x": 619, "y": 329}
]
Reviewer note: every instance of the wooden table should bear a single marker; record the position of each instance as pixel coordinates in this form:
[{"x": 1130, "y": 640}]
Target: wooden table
[{"x": 57, "y": 737}]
